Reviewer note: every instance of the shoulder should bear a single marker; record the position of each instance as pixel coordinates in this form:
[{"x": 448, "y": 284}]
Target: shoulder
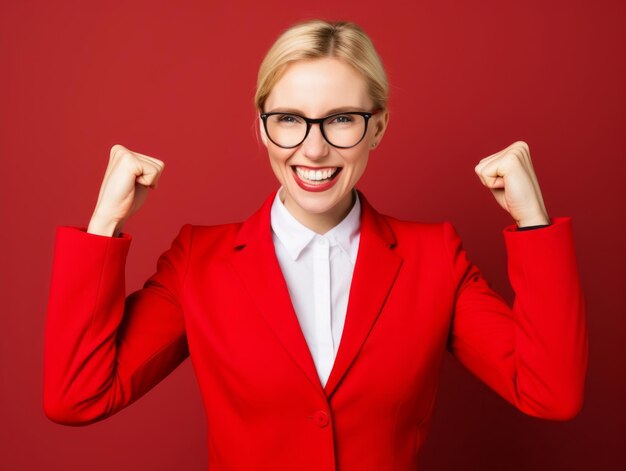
[
  {"x": 424, "y": 245},
  {"x": 206, "y": 239},
  {"x": 432, "y": 241},
  {"x": 411, "y": 229},
  {"x": 423, "y": 240},
  {"x": 216, "y": 234}
]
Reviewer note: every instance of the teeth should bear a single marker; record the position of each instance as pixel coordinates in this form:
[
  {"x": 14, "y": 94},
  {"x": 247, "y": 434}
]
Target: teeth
[{"x": 315, "y": 175}]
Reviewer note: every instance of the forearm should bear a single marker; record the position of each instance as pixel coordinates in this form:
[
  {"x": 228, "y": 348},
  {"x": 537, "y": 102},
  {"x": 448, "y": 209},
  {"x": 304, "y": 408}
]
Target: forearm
[{"x": 85, "y": 307}]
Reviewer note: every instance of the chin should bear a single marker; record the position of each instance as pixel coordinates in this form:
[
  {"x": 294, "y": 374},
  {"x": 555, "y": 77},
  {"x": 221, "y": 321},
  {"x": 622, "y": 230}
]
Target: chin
[{"x": 315, "y": 203}]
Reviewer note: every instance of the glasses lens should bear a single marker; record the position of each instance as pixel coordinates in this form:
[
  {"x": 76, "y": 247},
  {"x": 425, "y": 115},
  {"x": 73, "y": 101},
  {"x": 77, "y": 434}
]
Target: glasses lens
[
  {"x": 344, "y": 130},
  {"x": 341, "y": 130},
  {"x": 286, "y": 130}
]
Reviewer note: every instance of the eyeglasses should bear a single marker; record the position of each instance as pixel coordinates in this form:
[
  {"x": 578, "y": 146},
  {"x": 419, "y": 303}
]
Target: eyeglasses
[{"x": 342, "y": 130}]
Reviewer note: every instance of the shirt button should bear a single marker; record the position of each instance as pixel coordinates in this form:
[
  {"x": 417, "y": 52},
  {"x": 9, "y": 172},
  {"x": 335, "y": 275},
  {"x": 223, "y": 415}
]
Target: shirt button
[
  {"x": 321, "y": 241},
  {"x": 321, "y": 418}
]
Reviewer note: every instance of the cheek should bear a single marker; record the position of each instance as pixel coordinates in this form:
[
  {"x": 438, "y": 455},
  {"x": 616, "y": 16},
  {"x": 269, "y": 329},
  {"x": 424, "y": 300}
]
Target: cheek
[
  {"x": 277, "y": 160},
  {"x": 275, "y": 157},
  {"x": 357, "y": 161}
]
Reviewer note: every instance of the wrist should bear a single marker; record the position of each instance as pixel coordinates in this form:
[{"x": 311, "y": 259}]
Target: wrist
[
  {"x": 106, "y": 228},
  {"x": 539, "y": 220},
  {"x": 533, "y": 223}
]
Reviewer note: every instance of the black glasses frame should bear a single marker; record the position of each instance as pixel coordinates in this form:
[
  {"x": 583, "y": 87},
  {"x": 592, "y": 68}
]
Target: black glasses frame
[{"x": 320, "y": 121}]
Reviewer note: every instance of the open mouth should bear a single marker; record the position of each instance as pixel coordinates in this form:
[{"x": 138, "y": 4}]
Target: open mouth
[{"x": 315, "y": 178}]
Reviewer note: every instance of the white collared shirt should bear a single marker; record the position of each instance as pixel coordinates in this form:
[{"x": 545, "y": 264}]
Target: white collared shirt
[{"x": 318, "y": 271}]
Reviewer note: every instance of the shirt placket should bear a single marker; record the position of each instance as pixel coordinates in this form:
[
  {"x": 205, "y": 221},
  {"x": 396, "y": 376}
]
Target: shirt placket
[{"x": 323, "y": 326}]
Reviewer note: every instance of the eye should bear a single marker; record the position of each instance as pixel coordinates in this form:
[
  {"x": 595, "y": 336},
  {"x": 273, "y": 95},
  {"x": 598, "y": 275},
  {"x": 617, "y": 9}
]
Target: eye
[
  {"x": 342, "y": 119},
  {"x": 287, "y": 119}
]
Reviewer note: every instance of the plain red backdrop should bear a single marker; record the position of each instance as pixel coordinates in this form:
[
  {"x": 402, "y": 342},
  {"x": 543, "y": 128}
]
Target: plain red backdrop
[{"x": 175, "y": 79}]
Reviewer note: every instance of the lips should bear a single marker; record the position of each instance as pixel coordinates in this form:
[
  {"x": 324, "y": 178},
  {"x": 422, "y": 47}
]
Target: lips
[{"x": 315, "y": 178}]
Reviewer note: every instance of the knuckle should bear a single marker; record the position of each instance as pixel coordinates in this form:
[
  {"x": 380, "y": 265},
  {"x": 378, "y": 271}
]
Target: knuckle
[
  {"x": 516, "y": 152},
  {"x": 117, "y": 147},
  {"x": 114, "y": 150},
  {"x": 127, "y": 159}
]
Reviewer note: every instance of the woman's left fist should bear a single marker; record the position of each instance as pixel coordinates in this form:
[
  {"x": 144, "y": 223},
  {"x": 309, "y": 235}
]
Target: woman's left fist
[{"x": 510, "y": 176}]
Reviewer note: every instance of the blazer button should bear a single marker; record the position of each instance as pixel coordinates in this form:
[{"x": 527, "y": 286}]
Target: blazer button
[{"x": 321, "y": 418}]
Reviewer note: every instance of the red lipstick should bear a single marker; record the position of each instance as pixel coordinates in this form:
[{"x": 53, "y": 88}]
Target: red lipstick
[{"x": 306, "y": 185}]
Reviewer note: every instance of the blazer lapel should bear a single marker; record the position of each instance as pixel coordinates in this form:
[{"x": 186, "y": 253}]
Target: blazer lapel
[
  {"x": 254, "y": 260},
  {"x": 374, "y": 273}
]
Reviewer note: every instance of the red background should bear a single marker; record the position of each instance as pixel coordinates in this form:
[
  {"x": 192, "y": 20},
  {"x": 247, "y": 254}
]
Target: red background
[{"x": 175, "y": 80}]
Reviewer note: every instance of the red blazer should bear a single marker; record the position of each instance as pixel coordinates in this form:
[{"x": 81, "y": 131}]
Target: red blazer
[{"x": 218, "y": 296}]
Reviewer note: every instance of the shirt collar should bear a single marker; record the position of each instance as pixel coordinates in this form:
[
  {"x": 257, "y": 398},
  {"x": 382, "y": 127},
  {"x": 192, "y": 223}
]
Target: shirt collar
[{"x": 295, "y": 236}]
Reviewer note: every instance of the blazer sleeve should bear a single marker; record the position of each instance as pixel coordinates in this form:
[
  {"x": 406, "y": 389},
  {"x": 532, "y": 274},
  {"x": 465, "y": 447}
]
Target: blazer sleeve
[
  {"x": 534, "y": 354},
  {"x": 104, "y": 350}
]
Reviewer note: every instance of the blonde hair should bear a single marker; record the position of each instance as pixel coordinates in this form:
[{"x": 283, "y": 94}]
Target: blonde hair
[{"x": 316, "y": 39}]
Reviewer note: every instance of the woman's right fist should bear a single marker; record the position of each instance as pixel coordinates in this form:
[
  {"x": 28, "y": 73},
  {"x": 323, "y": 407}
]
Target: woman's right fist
[{"x": 124, "y": 189}]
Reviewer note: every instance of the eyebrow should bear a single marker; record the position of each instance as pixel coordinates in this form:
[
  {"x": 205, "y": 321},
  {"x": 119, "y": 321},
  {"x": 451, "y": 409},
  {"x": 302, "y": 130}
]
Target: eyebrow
[{"x": 341, "y": 109}]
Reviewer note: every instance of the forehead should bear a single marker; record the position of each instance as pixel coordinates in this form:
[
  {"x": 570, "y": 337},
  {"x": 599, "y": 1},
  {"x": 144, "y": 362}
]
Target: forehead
[{"x": 315, "y": 86}]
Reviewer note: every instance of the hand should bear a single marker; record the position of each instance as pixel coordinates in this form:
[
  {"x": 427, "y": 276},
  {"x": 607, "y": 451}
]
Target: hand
[
  {"x": 510, "y": 176},
  {"x": 124, "y": 189}
]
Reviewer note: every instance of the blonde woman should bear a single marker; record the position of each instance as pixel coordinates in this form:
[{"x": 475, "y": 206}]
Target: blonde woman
[{"x": 317, "y": 326}]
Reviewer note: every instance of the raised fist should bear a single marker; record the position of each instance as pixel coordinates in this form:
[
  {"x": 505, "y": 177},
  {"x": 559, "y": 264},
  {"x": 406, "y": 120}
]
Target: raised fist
[
  {"x": 510, "y": 176},
  {"x": 124, "y": 189}
]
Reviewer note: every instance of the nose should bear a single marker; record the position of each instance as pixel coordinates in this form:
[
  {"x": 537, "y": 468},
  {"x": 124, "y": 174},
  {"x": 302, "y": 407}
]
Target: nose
[{"x": 315, "y": 146}]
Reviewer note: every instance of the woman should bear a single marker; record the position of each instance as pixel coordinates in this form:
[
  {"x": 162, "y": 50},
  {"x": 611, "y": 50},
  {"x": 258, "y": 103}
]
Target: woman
[{"x": 316, "y": 328}]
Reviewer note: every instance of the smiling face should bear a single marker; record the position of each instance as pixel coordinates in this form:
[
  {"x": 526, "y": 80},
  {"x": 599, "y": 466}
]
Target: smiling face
[{"x": 316, "y": 88}]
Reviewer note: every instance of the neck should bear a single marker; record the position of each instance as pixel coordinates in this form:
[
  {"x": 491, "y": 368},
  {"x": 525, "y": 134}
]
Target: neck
[{"x": 321, "y": 222}]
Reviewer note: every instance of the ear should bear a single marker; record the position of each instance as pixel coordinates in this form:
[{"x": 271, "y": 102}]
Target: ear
[{"x": 380, "y": 126}]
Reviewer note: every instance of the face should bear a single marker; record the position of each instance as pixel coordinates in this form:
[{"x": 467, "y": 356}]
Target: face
[{"x": 317, "y": 88}]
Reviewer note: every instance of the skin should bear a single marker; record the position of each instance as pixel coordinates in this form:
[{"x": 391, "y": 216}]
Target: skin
[
  {"x": 315, "y": 88},
  {"x": 510, "y": 176},
  {"x": 124, "y": 189}
]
